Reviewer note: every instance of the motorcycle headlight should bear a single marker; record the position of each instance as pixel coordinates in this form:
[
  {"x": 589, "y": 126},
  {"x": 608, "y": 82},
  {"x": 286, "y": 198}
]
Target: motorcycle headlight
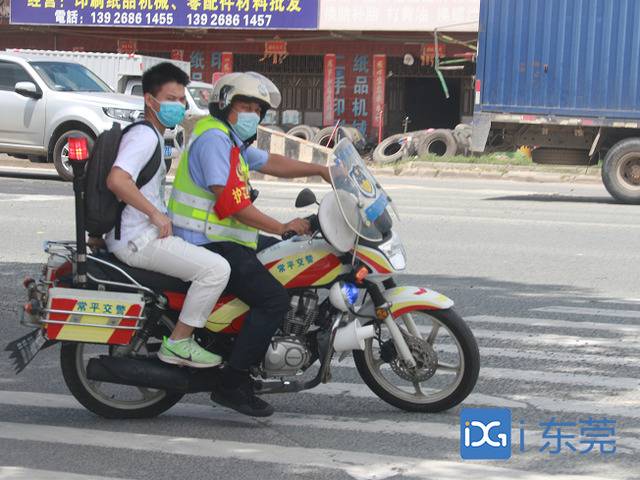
[
  {"x": 124, "y": 114},
  {"x": 343, "y": 295},
  {"x": 394, "y": 251}
]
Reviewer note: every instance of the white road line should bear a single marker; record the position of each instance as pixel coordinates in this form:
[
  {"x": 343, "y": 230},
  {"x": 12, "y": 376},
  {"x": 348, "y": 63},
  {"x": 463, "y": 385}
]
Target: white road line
[
  {"x": 559, "y": 341},
  {"x": 624, "y": 405},
  {"x": 9, "y": 197},
  {"x": 600, "y": 312},
  {"x": 553, "y": 339},
  {"x": 22, "y": 473},
  {"x": 551, "y": 356},
  {"x": 623, "y": 301},
  {"x": 543, "y": 322},
  {"x": 425, "y": 429},
  {"x": 360, "y": 465},
  {"x": 539, "y": 376}
]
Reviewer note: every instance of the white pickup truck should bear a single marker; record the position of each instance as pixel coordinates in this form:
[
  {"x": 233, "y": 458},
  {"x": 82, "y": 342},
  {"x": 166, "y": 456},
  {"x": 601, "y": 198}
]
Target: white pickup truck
[
  {"x": 122, "y": 73},
  {"x": 45, "y": 101}
]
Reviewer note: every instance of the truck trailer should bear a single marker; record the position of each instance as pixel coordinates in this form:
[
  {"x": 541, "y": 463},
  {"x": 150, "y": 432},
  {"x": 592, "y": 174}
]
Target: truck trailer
[{"x": 562, "y": 76}]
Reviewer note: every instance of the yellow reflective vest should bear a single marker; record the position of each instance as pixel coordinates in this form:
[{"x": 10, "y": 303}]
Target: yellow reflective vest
[{"x": 191, "y": 206}]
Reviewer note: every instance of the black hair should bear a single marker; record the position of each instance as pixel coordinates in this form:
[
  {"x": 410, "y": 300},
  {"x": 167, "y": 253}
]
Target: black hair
[{"x": 155, "y": 77}]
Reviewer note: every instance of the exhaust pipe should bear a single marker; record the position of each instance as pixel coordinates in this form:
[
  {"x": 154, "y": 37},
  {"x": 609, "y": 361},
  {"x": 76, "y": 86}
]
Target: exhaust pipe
[{"x": 151, "y": 373}]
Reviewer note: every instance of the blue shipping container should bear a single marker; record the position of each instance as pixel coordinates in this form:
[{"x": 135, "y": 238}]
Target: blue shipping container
[{"x": 577, "y": 58}]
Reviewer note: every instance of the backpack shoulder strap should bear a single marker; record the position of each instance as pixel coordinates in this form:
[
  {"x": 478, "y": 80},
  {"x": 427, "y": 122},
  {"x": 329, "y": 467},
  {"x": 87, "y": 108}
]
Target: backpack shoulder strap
[
  {"x": 146, "y": 174},
  {"x": 151, "y": 167}
]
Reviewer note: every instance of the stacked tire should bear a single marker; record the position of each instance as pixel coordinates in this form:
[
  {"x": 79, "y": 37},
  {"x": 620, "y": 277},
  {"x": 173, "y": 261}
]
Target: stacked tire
[
  {"x": 304, "y": 132},
  {"x": 392, "y": 149},
  {"x": 439, "y": 142}
]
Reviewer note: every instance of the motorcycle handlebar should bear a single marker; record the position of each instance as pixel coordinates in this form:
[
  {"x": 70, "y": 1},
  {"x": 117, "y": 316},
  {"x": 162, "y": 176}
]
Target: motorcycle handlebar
[{"x": 313, "y": 222}]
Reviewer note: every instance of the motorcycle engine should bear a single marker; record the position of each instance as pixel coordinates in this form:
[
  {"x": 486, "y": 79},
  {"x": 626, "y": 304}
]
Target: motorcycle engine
[
  {"x": 303, "y": 311},
  {"x": 288, "y": 354}
]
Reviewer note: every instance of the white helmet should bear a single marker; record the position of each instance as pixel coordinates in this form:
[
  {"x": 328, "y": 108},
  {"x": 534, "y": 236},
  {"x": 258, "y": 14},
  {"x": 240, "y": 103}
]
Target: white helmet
[{"x": 249, "y": 86}]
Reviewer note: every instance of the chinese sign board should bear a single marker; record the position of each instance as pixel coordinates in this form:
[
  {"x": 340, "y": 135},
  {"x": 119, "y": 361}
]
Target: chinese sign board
[
  {"x": 207, "y": 65},
  {"x": 377, "y": 97},
  {"x": 354, "y": 85},
  {"x": 218, "y": 14},
  {"x": 328, "y": 111}
]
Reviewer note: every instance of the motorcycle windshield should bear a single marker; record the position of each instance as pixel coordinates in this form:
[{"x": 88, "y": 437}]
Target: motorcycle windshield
[{"x": 361, "y": 199}]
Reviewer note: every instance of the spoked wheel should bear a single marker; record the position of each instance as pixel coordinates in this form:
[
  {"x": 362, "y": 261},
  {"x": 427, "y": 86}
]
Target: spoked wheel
[
  {"x": 446, "y": 356},
  {"x": 111, "y": 400}
]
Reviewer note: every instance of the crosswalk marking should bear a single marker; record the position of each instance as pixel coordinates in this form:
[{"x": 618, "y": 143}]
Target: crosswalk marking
[
  {"x": 545, "y": 322},
  {"x": 21, "y": 473},
  {"x": 599, "y": 312},
  {"x": 427, "y": 429},
  {"x": 554, "y": 340},
  {"x": 551, "y": 356},
  {"x": 539, "y": 376},
  {"x": 612, "y": 405},
  {"x": 360, "y": 465},
  {"x": 558, "y": 340}
]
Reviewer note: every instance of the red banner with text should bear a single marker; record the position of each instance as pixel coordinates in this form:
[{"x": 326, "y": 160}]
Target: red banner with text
[{"x": 328, "y": 117}]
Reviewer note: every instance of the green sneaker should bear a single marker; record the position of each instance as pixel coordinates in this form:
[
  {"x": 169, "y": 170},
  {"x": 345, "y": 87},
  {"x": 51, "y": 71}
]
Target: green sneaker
[{"x": 188, "y": 353}]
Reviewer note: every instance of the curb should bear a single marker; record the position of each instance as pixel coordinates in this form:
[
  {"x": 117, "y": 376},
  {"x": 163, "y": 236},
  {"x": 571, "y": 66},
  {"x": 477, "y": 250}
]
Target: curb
[
  {"x": 30, "y": 173},
  {"x": 490, "y": 172},
  {"x": 413, "y": 169}
]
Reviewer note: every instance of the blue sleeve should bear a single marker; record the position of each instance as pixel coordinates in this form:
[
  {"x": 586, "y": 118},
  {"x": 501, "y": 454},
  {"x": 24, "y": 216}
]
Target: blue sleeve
[
  {"x": 209, "y": 159},
  {"x": 255, "y": 157}
]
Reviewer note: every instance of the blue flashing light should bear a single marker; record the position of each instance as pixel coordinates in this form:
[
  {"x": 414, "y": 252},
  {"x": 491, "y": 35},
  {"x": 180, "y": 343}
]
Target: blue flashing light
[{"x": 350, "y": 292}]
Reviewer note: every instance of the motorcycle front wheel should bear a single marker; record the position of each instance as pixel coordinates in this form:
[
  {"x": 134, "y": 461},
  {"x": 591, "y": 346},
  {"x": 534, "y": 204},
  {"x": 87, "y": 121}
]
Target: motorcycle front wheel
[
  {"x": 447, "y": 362},
  {"x": 111, "y": 400}
]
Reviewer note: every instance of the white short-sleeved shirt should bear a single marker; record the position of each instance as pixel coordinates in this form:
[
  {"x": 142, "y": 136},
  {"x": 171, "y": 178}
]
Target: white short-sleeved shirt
[{"x": 136, "y": 149}]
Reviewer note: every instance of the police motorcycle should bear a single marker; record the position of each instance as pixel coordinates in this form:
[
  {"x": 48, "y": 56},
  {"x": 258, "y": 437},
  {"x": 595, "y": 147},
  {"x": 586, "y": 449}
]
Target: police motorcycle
[{"x": 407, "y": 343}]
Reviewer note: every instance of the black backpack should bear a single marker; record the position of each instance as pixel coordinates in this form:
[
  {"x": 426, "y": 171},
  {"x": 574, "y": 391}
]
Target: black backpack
[{"x": 103, "y": 210}]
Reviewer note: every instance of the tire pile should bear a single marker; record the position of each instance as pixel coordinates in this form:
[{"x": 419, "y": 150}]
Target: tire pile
[
  {"x": 439, "y": 142},
  {"x": 323, "y": 136}
]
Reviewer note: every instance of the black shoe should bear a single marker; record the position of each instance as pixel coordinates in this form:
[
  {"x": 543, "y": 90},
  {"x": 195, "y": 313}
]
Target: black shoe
[{"x": 235, "y": 391}]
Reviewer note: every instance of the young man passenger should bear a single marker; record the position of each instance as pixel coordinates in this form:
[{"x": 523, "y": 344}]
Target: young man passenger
[{"x": 144, "y": 219}]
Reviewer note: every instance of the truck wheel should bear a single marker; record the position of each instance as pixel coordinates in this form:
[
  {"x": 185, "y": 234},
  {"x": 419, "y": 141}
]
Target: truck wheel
[
  {"x": 61, "y": 152},
  {"x": 621, "y": 171}
]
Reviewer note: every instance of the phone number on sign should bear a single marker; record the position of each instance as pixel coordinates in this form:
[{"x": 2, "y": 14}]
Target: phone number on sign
[
  {"x": 131, "y": 18},
  {"x": 228, "y": 20}
]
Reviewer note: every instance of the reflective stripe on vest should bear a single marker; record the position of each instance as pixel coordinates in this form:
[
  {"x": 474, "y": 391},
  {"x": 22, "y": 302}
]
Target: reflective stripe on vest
[{"x": 191, "y": 206}]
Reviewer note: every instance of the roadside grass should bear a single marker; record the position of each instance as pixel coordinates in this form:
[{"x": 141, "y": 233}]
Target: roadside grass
[{"x": 502, "y": 158}]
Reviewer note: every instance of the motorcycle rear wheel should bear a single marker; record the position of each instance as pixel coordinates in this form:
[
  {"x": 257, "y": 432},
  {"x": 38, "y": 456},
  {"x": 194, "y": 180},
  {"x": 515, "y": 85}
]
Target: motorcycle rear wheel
[
  {"x": 397, "y": 391},
  {"x": 89, "y": 393}
]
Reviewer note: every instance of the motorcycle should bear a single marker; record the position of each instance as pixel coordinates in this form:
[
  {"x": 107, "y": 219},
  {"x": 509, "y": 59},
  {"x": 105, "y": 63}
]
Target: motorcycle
[{"x": 408, "y": 344}]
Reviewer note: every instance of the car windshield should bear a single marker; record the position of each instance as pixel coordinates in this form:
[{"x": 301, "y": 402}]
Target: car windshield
[
  {"x": 69, "y": 77},
  {"x": 201, "y": 96},
  {"x": 361, "y": 198}
]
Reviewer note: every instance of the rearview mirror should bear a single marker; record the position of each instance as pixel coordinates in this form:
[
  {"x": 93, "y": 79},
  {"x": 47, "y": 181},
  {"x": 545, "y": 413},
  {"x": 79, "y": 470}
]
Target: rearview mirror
[
  {"x": 27, "y": 89},
  {"x": 305, "y": 198}
]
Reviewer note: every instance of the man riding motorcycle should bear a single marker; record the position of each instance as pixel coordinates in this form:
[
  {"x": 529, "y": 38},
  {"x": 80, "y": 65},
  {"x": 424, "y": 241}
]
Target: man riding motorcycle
[{"x": 211, "y": 205}]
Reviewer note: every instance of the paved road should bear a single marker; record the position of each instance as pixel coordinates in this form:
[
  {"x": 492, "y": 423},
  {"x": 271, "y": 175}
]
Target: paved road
[{"x": 546, "y": 275}]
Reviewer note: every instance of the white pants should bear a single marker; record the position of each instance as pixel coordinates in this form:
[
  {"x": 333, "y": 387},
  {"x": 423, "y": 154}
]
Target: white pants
[{"x": 208, "y": 273}]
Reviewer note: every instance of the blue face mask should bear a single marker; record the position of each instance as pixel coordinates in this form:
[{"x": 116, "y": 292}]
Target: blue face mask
[
  {"x": 170, "y": 113},
  {"x": 247, "y": 125}
]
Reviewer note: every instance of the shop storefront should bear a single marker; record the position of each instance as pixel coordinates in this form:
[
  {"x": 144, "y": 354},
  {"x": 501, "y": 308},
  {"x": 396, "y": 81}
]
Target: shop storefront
[{"x": 371, "y": 74}]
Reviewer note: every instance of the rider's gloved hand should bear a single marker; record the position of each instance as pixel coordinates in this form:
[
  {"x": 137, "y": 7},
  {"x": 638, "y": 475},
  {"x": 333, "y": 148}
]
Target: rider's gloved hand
[
  {"x": 163, "y": 223},
  {"x": 298, "y": 225}
]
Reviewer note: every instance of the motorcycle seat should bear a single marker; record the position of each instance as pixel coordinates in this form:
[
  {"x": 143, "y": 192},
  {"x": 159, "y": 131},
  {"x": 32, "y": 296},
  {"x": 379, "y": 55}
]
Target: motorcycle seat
[{"x": 157, "y": 282}]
